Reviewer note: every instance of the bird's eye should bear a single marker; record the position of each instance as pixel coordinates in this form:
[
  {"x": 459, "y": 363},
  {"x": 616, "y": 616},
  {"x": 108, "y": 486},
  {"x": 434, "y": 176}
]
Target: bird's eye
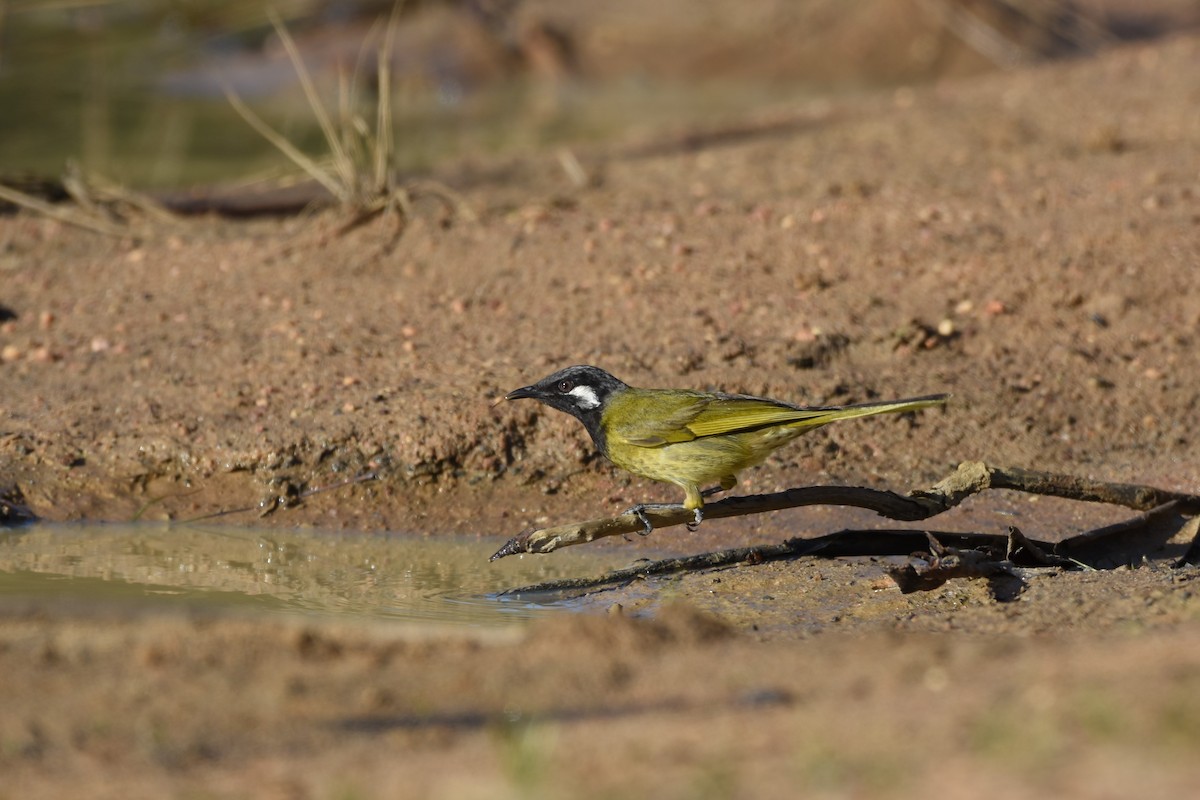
[{"x": 565, "y": 386}]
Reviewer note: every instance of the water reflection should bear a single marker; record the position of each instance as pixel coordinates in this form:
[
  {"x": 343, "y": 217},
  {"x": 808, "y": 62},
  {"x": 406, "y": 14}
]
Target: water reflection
[{"x": 444, "y": 580}]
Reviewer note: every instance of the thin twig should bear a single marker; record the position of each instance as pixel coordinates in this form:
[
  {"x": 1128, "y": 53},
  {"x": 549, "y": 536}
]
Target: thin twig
[
  {"x": 281, "y": 143},
  {"x": 978, "y": 34},
  {"x": 341, "y": 160},
  {"x": 1021, "y": 546},
  {"x": 68, "y": 216}
]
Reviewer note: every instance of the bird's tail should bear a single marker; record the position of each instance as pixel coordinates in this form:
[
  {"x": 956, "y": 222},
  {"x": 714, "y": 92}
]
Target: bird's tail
[{"x": 823, "y": 415}]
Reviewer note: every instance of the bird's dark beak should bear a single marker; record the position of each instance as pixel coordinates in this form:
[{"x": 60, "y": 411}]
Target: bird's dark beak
[
  {"x": 516, "y": 394},
  {"x": 523, "y": 392}
]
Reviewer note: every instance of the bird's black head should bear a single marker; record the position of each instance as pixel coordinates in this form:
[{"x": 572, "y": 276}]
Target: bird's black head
[{"x": 580, "y": 391}]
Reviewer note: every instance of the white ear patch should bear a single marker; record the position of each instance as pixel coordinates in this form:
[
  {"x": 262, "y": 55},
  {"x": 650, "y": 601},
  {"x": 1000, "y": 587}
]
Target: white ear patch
[{"x": 586, "y": 397}]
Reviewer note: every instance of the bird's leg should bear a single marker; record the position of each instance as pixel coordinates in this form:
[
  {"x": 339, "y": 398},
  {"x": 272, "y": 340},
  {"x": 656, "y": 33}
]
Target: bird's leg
[
  {"x": 693, "y": 501},
  {"x": 640, "y": 510},
  {"x": 726, "y": 484}
]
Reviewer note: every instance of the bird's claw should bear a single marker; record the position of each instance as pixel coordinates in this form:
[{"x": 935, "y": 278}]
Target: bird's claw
[{"x": 639, "y": 511}]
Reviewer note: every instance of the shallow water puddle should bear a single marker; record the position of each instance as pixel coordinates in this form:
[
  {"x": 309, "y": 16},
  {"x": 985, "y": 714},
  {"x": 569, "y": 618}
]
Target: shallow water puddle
[
  {"x": 444, "y": 581},
  {"x": 435, "y": 580}
]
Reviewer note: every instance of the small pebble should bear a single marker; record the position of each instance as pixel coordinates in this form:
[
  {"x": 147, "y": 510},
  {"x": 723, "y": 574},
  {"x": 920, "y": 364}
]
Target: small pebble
[{"x": 995, "y": 308}]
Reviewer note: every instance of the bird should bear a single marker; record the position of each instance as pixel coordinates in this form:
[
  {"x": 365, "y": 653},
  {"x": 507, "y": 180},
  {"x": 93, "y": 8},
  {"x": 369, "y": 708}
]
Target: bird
[{"x": 684, "y": 437}]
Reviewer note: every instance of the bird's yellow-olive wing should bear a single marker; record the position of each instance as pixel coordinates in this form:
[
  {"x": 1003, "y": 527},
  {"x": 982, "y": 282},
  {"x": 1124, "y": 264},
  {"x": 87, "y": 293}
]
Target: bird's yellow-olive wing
[
  {"x": 739, "y": 414},
  {"x": 654, "y": 418}
]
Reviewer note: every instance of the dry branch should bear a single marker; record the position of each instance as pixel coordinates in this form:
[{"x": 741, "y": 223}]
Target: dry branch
[
  {"x": 843, "y": 543},
  {"x": 970, "y": 477},
  {"x": 887, "y": 504},
  {"x": 951, "y": 554}
]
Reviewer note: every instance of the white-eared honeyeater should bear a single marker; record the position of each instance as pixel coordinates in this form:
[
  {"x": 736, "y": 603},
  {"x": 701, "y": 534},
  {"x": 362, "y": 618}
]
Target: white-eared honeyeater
[{"x": 683, "y": 437}]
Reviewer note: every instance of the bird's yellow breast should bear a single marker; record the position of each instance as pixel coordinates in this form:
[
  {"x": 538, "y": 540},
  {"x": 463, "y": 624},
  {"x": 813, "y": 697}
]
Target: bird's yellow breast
[{"x": 700, "y": 461}]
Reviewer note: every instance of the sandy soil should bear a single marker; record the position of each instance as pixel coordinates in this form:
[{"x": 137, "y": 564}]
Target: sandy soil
[{"x": 1029, "y": 241}]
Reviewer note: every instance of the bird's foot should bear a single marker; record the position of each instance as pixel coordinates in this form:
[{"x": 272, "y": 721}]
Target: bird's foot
[{"x": 640, "y": 510}]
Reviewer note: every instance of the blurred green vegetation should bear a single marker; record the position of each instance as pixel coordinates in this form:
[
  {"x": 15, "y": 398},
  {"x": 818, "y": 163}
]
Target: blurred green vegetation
[
  {"x": 82, "y": 79},
  {"x": 131, "y": 89}
]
